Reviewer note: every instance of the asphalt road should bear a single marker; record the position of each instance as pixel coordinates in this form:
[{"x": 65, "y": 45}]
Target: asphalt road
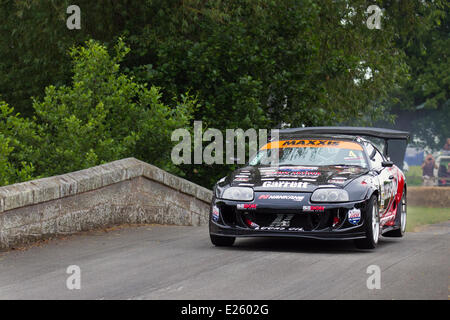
[{"x": 169, "y": 262}]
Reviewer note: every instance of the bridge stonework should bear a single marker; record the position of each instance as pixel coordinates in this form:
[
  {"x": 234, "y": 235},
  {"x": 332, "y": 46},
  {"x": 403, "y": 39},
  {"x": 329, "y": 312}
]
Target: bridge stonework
[{"x": 120, "y": 192}]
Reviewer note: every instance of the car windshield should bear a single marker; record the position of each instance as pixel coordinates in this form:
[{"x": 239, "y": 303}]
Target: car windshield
[{"x": 310, "y": 153}]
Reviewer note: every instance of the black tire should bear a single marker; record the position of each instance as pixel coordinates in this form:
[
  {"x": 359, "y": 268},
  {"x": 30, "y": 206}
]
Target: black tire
[
  {"x": 400, "y": 232},
  {"x": 219, "y": 241},
  {"x": 369, "y": 242}
]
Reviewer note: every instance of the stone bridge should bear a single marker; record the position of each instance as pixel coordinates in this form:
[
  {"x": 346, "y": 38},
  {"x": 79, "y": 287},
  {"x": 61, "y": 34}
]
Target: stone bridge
[{"x": 124, "y": 191}]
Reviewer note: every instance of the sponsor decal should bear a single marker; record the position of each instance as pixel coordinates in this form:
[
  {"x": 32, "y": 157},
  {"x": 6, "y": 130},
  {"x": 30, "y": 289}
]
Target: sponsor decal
[
  {"x": 295, "y": 229},
  {"x": 313, "y": 208},
  {"x": 313, "y": 144},
  {"x": 353, "y": 157},
  {"x": 215, "y": 213},
  {"x": 290, "y": 172},
  {"x": 246, "y": 206},
  {"x": 271, "y": 228},
  {"x": 301, "y": 173},
  {"x": 285, "y": 184},
  {"x": 304, "y": 171},
  {"x": 310, "y": 142},
  {"x": 337, "y": 180},
  {"x": 241, "y": 179},
  {"x": 280, "y": 197},
  {"x": 279, "y": 229},
  {"x": 354, "y": 216},
  {"x": 297, "y": 168},
  {"x": 388, "y": 219}
]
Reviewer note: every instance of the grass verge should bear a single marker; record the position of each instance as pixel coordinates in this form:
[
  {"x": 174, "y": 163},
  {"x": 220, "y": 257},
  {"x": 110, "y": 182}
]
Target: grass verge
[
  {"x": 414, "y": 176},
  {"x": 420, "y": 216}
]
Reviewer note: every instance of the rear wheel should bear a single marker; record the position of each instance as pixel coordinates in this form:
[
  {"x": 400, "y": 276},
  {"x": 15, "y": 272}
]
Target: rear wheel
[
  {"x": 220, "y": 241},
  {"x": 372, "y": 226},
  {"x": 400, "y": 220}
]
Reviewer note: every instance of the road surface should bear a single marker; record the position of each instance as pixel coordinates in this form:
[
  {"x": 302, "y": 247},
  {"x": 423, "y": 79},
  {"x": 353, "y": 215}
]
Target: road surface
[{"x": 173, "y": 262}]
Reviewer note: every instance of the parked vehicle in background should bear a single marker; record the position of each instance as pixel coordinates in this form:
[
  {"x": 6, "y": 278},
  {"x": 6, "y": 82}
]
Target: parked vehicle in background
[{"x": 443, "y": 169}]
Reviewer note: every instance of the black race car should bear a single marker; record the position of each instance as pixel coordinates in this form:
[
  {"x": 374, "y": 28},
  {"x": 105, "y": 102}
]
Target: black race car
[{"x": 321, "y": 183}]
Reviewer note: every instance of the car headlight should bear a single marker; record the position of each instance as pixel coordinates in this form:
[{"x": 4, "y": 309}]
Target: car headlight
[
  {"x": 329, "y": 195},
  {"x": 238, "y": 193}
]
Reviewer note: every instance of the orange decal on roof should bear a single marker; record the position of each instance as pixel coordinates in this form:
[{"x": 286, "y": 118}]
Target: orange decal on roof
[{"x": 312, "y": 144}]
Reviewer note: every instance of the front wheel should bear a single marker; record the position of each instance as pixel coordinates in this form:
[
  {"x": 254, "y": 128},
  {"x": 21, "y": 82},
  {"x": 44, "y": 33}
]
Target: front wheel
[
  {"x": 372, "y": 226},
  {"x": 220, "y": 241}
]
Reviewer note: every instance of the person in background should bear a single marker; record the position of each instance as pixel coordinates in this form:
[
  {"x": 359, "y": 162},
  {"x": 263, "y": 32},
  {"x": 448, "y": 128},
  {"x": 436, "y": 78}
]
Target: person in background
[
  {"x": 428, "y": 167},
  {"x": 447, "y": 145}
]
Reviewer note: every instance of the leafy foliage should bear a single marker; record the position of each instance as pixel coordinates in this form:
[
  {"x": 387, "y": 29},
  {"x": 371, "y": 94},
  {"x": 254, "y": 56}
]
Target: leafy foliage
[
  {"x": 262, "y": 64},
  {"x": 103, "y": 116},
  {"x": 422, "y": 103},
  {"x": 16, "y": 137}
]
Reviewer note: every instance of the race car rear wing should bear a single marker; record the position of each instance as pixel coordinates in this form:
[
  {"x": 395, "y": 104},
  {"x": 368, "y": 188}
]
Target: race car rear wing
[{"x": 395, "y": 141}]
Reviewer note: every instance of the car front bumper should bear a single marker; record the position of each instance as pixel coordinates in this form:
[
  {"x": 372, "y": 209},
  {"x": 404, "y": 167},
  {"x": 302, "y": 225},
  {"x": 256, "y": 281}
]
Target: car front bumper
[{"x": 331, "y": 223}]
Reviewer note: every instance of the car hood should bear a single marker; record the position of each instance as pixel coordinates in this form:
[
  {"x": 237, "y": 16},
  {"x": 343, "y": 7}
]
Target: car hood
[{"x": 294, "y": 178}]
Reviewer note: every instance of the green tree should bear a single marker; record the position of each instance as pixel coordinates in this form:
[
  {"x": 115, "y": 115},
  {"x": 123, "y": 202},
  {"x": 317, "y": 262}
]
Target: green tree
[
  {"x": 102, "y": 116},
  {"x": 422, "y": 104},
  {"x": 260, "y": 64},
  {"x": 34, "y": 41},
  {"x": 17, "y": 135}
]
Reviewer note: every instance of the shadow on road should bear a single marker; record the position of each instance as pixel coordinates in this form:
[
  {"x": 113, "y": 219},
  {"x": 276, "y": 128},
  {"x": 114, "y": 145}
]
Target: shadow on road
[{"x": 304, "y": 245}]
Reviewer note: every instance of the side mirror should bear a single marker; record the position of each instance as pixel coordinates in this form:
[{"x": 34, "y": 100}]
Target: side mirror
[{"x": 385, "y": 164}]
